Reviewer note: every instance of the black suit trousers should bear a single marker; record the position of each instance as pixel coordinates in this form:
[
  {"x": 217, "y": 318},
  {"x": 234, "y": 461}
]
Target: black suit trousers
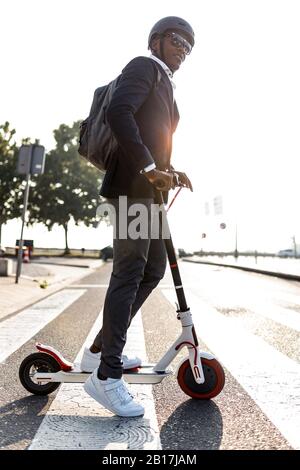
[{"x": 138, "y": 266}]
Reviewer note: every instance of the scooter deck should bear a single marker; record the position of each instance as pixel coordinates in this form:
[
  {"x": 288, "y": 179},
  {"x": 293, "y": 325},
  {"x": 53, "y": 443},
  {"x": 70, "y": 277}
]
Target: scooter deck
[{"x": 144, "y": 374}]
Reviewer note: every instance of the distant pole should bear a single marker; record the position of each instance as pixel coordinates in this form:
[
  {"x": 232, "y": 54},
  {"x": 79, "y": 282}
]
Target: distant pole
[
  {"x": 20, "y": 250},
  {"x": 295, "y": 246},
  {"x": 236, "y": 253}
]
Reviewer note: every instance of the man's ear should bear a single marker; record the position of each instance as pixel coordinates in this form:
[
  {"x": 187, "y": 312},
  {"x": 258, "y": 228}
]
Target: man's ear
[{"x": 154, "y": 45}]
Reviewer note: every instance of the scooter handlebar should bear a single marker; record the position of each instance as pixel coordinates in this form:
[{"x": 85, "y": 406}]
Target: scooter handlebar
[{"x": 159, "y": 183}]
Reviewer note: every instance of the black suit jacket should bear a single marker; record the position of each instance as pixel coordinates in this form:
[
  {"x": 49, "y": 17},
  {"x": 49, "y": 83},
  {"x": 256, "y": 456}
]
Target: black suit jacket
[{"x": 143, "y": 117}]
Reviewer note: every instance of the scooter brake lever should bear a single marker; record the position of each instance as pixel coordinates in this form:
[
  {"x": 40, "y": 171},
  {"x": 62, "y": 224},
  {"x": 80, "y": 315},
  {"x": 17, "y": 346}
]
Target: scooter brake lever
[{"x": 176, "y": 179}]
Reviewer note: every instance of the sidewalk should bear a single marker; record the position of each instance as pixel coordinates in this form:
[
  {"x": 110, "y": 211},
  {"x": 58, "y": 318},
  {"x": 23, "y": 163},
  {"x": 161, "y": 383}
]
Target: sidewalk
[
  {"x": 15, "y": 297},
  {"x": 283, "y": 268}
]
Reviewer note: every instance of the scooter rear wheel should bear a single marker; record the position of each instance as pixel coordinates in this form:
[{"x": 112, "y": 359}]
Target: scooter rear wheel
[
  {"x": 214, "y": 379},
  {"x": 38, "y": 362}
]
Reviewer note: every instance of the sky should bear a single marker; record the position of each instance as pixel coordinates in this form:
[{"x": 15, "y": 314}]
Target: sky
[{"x": 238, "y": 95}]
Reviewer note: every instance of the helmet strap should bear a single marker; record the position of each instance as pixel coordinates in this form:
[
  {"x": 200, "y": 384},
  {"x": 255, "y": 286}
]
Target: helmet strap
[{"x": 161, "y": 49}]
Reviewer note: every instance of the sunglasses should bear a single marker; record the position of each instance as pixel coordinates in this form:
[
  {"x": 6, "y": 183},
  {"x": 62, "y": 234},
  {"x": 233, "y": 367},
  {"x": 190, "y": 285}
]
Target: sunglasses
[{"x": 179, "y": 42}]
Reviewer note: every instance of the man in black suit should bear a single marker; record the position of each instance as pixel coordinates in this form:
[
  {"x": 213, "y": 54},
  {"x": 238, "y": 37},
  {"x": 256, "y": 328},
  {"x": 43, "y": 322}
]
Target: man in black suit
[{"x": 143, "y": 117}]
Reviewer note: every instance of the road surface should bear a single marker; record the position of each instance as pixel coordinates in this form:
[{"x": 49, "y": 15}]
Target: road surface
[{"x": 251, "y": 323}]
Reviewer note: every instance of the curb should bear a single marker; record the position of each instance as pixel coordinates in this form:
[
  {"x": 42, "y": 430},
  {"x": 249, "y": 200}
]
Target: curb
[
  {"x": 96, "y": 265},
  {"x": 292, "y": 277},
  {"x": 63, "y": 264}
]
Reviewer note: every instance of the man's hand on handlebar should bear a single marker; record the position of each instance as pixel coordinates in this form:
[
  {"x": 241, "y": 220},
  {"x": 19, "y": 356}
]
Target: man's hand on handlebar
[
  {"x": 162, "y": 180},
  {"x": 183, "y": 180}
]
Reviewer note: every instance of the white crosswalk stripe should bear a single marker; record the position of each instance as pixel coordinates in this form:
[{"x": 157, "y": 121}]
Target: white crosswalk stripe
[
  {"x": 280, "y": 315},
  {"x": 259, "y": 305},
  {"x": 76, "y": 421},
  {"x": 17, "y": 330},
  {"x": 268, "y": 376}
]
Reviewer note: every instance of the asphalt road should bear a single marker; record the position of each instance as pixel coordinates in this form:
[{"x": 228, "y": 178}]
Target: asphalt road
[{"x": 254, "y": 307}]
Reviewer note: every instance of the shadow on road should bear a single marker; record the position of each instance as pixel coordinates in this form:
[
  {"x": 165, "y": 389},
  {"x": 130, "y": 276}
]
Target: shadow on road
[
  {"x": 194, "y": 425},
  {"x": 20, "y": 420}
]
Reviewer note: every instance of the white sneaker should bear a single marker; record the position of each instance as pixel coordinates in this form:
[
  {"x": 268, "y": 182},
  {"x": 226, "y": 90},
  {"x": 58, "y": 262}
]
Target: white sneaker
[
  {"x": 90, "y": 361},
  {"x": 113, "y": 395}
]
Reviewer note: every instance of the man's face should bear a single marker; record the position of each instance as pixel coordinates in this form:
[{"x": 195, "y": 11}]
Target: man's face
[{"x": 175, "y": 48}]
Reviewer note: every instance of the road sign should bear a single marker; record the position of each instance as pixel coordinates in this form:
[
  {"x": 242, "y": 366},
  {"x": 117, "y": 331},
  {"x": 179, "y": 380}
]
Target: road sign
[
  {"x": 24, "y": 160},
  {"x": 31, "y": 159},
  {"x": 37, "y": 160},
  {"x": 218, "y": 205}
]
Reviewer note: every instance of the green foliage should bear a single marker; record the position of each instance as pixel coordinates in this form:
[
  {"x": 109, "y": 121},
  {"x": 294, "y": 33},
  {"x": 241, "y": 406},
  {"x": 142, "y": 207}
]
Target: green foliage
[
  {"x": 69, "y": 188},
  {"x": 11, "y": 189}
]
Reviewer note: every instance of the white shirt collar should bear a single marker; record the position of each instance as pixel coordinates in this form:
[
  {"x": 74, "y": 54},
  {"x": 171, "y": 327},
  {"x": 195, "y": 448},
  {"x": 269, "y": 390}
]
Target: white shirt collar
[{"x": 165, "y": 67}]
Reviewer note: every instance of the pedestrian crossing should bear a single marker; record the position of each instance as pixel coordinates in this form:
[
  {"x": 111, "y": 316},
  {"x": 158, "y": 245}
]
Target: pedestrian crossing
[
  {"x": 75, "y": 421},
  {"x": 280, "y": 315},
  {"x": 260, "y": 306},
  {"x": 15, "y": 331},
  {"x": 268, "y": 376}
]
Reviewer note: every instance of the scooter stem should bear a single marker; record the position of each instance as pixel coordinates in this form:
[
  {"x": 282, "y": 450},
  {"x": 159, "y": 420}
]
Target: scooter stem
[
  {"x": 173, "y": 262},
  {"x": 172, "y": 259}
]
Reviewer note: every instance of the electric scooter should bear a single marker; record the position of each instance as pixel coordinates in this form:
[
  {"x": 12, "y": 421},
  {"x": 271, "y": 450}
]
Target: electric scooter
[{"x": 199, "y": 375}]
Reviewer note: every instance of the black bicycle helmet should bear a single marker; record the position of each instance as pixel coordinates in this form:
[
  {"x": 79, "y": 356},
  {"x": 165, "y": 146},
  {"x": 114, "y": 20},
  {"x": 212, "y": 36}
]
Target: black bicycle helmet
[{"x": 172, "y": 23}]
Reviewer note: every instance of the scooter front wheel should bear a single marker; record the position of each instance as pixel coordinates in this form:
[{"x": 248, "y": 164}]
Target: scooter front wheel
[
  {"x": 214, "y": 379},
  {"x": 38, "y": 362}
]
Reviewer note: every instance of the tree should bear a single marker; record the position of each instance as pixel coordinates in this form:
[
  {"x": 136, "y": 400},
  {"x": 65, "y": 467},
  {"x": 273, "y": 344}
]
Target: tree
[
  {"x": 69, "y": 188},
  {"x": 11, "y": 189}
]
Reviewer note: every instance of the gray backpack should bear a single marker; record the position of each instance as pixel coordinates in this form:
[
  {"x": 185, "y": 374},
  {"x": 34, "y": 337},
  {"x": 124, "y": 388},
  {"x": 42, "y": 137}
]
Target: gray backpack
[{"x": 96, "y": 140}]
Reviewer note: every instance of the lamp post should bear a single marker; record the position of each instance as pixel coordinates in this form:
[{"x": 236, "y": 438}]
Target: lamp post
[{"x": 20, "y": 250}]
